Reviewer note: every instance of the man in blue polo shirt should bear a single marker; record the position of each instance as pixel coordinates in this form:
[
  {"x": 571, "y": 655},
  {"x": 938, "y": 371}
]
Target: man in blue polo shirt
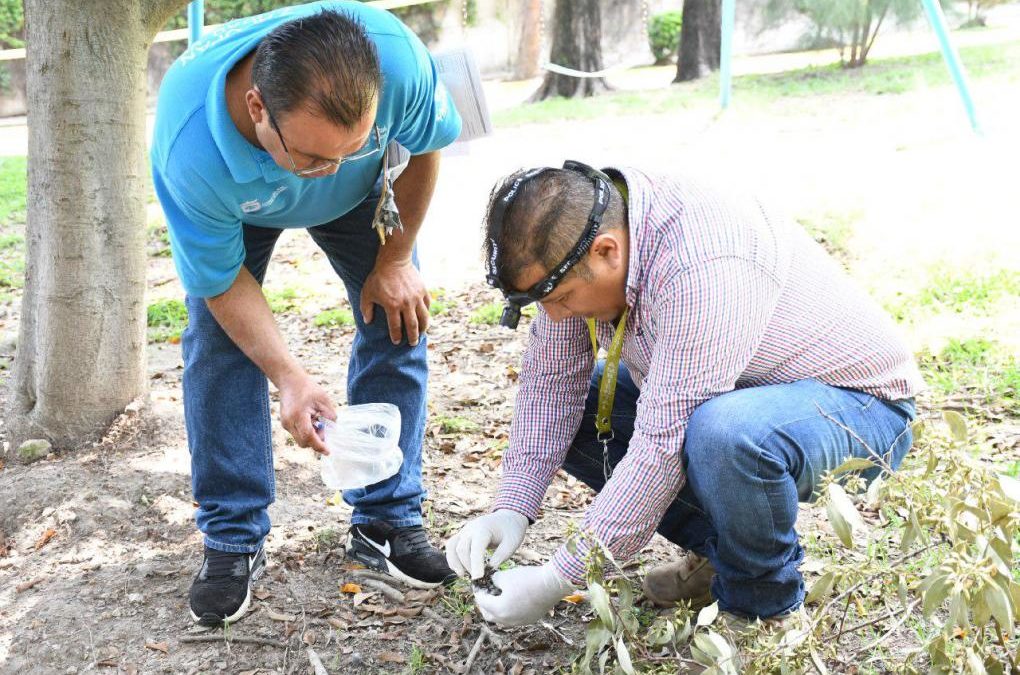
[{"x": 282, "y": 121}]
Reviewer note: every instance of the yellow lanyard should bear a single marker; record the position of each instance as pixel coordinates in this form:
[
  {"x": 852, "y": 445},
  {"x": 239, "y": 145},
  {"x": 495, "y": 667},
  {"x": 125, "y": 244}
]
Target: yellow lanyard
[{"x": 607, "y": 385}]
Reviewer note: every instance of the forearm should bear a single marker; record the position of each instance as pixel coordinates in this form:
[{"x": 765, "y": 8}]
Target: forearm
[
  {"x": 412, "y": 192},
  {"x": 244, "y": 314}
]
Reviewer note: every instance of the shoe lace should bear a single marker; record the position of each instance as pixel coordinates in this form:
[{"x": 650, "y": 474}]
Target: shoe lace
[
  {"x": 221, "y": 564},
  {"x": 414, "y": 538}
]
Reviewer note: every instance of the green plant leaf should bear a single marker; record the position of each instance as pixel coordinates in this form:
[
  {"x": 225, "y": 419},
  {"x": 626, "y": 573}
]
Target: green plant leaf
[
  {"x": 821, "y": 588},
  {"x": 596, "y": 638},
  {"x": 975, "y": 666},
  {"x": 957, "y": 424},
  {"x": 623, "y": 657},
  {"x": 1010, "y": 487},
  {"x": 599, "y": 600},
  {"x": 935, "y": 589},
  {"x": 958, "y": 611},
  {"x": 853, "y": 464},
  {"x": 911, "y": 532},
  {"x": 708, "y": 647},
  {"x": 999, "y": 605},
  {"x": 624, "y": 594},
  {"x": 708, "y": 614},
  {"x": 842, "y": 514}
]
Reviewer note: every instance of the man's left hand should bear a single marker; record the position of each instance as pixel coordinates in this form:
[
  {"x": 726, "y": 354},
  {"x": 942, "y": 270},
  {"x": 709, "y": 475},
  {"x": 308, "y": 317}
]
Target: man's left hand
[
  {"x": 398, "y": 288},
  {"x": 528, "y": 593}
]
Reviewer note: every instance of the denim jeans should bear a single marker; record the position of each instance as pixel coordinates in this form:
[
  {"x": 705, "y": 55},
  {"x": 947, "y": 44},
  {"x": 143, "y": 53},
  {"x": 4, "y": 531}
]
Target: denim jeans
[
  {"x": 226, "y": 399},
  {"x": 751, "y": 455}
]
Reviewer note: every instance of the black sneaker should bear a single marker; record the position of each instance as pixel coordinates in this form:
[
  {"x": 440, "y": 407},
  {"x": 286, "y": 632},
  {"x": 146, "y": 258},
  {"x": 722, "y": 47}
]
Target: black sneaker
[
  {"x": 221, "y": 591},
  {"x": 404, "y": 553}
]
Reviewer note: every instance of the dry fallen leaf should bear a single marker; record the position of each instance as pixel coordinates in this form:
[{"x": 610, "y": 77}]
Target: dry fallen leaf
[
  {"x": 261, "y": 593},
  {"x": 336, "y": 500},
  {"x": 45, "y": 538},
  {"x": 574, "y": 599},
  {"x": 158, "y": 647},
  {"x": 391, "y": 657},
  {"x": 351, "y": 588},
  {"x": 337, "y": 623}
]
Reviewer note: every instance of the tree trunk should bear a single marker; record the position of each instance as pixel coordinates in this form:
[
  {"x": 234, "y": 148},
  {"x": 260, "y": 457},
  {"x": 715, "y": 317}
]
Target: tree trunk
[
  {"x": 81, "y": 348},
  {"x": 530, "y": 49},
  {"x": 577, "y": 44},
  {"x": 700, "y": 40}
]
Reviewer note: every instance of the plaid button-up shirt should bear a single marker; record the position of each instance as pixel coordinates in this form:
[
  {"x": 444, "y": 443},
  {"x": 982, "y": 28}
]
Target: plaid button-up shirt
[{"x": 723, "y": 295}]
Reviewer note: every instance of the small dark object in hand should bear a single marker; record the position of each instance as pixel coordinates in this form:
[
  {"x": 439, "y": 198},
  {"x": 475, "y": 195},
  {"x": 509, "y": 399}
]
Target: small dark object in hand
[{"x": 485, "y": 584}]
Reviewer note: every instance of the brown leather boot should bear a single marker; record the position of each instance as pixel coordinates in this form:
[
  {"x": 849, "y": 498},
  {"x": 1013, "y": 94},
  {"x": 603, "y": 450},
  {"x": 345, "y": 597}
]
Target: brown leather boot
[{"x": 689, "y": 578}]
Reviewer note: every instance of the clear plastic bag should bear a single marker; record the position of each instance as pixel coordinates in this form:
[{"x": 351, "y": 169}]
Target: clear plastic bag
[{"x": 363, "y": 446}]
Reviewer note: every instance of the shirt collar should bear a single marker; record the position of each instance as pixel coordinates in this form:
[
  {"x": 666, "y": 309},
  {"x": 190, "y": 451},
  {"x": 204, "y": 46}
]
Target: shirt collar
[{"x": 245, "y": 162}]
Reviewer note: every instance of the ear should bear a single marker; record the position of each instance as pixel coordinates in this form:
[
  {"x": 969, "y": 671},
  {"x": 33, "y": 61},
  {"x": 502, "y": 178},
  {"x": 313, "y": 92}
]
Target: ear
[
  {"x": 607, "y": 249},
  {"x": 256, "y": 108}
]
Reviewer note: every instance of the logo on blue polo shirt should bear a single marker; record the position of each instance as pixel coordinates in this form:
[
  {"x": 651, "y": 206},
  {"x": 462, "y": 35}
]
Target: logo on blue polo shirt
[{"x": 253, "y": 205}]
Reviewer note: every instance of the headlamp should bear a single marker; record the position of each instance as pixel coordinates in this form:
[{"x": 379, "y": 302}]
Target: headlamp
[{"x": 517, "y": 300}]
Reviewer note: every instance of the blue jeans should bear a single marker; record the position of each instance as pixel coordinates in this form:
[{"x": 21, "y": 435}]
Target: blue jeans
[
  {"x": 226, "y": 399},
  {"x": 751, "y": 455}
]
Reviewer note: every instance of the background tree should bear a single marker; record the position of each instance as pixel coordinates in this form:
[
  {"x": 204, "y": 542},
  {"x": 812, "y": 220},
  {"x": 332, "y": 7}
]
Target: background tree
[
  {"x": 530, "y": 49},
  {"x": 81, "y": 348},
  {"x": 851, "y": 25},
  {"x": 577, "y": 44},
  {"x": 700, "y": 38}
]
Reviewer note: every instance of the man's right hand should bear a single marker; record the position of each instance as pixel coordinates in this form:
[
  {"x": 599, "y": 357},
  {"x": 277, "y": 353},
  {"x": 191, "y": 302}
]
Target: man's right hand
[
  {"x": 504, "y": 529},
  {"x": 301, "y": 402}
]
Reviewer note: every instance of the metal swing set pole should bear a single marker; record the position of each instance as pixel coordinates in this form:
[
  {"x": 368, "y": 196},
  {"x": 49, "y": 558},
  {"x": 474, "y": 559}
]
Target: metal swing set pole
[{"x": 938, "y": 24}]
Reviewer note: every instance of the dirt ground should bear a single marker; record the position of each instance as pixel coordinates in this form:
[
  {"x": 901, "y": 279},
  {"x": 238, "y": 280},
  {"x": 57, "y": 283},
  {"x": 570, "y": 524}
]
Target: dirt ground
[{"x": 97, "y": 549}]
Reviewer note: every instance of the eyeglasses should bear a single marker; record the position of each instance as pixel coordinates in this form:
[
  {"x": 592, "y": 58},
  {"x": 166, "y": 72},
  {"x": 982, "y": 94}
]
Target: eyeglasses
[{"x": 329, "y": 165}]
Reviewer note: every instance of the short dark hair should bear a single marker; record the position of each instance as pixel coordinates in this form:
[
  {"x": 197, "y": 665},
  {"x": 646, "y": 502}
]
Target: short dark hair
[
  {"x": 544, "y": 222},
  {"x": 324, "y": 62}
]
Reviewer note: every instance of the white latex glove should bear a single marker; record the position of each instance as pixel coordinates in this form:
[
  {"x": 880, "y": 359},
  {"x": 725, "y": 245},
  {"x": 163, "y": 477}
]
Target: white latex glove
[
  {"x": 528, "y": 593},
  {"x": 503, "y": 528}
]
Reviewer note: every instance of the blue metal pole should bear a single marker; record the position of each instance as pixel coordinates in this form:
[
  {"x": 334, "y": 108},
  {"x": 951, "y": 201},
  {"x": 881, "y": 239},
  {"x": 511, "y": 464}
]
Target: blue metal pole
[
  {"x": 952, "y": 58},
  {"x": 196, "y": 19},
  {"x": 728, "y": 18}
]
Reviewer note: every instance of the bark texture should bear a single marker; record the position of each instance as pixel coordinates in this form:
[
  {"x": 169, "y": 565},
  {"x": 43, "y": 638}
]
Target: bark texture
[
  {"x": 529, "y": 51},
  {"x": 81, "y": 347},
  {"x": 700, "y": 38},
  {"x": 577, "y": 44}
]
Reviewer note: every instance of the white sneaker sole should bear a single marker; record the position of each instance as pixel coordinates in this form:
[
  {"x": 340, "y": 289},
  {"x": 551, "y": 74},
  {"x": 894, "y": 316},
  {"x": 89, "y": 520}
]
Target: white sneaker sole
[{"x": 392, "y": 570}]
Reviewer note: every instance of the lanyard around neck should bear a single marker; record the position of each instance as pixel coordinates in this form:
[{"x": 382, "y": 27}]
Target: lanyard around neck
[{"x": 607, "y": 385}]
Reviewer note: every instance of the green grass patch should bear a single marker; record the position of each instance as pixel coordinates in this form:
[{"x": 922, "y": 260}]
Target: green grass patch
[
  {"x": 958, "y": 292},
  {"x": 975, "y": 365},
  {"x": 440, "y": 303},
  {"x": 456, "y": 425},
  {"x": 158, "y": 243},
  {"x": 283, "y": 300},
  {"x": 833, "y": 230},
  {"x": 333, "y": 318},
  {"x": 877, "y": 77},
  {"x": 488, "y": 314},
  {"x": 418, "y": 661},
  {"x": 13, "y": 189},
  {"x": 166, "y": 319}
]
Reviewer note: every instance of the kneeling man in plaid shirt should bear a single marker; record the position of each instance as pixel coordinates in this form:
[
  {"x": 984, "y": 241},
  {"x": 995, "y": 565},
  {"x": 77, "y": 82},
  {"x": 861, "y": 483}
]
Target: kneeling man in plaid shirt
[{"x": 751, "y": 364}]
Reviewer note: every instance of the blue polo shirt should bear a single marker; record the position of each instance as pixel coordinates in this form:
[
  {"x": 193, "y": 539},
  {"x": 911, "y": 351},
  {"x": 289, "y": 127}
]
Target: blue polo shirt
[{"x": 210, "y": 179}]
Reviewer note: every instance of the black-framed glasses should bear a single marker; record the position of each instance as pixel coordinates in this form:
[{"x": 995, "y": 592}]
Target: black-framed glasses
[
  {"x": 329, "y": 165},
  {"x": 517, "y": 300}
]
